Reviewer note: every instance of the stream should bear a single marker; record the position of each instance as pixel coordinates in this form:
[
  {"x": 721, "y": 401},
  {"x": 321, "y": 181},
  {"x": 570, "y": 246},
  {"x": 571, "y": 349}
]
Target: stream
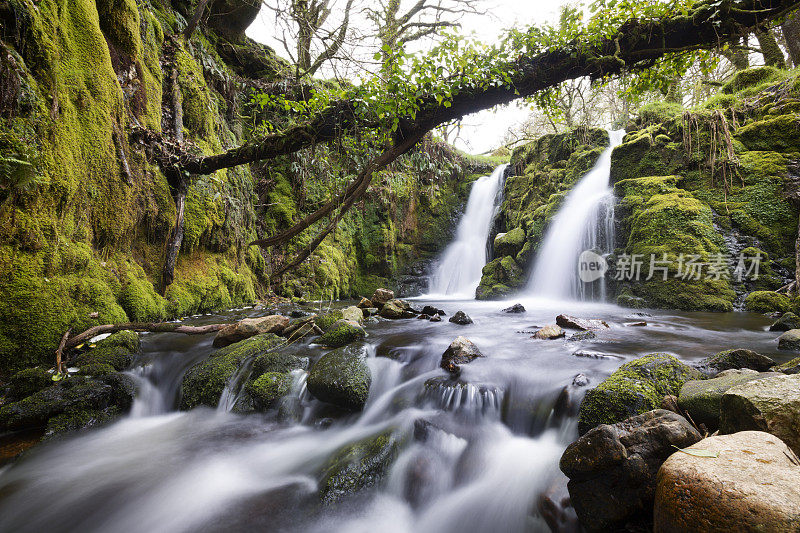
[{"x": 489, "y": 451}]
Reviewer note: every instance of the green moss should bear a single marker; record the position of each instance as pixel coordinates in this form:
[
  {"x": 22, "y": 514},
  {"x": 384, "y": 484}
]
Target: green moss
[
  {"x": 767, "y": 302},
  {"x": 636, "y": 387},
  {"x": 658, "y": 112},
  {"x": 341, "y": 377},
  {"x": 27, "y": 382},
  {"x": 277, "y": 362},
  {"x": 500, "y": 277},
  {"x": 204, "y": 383},
  {"x": 268, "y": 388},
  {"x": 96, "y": 369},
  {"x": 751, "y": 78},
  {"x": 340, "y": 333},
  {"x": 326, "y": 320},
  {"x": 509, "y": 243},
  {"x": 119, "y": 21},
  {"x": 139, "y": 299},
  {"x": 776, "y": 134}
]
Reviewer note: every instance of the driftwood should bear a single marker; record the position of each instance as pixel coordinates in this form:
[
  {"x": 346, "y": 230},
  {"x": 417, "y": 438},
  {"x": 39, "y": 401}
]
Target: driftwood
[
  {"x": 60, "y": 351},
  {"x": 153, "y": 327}
]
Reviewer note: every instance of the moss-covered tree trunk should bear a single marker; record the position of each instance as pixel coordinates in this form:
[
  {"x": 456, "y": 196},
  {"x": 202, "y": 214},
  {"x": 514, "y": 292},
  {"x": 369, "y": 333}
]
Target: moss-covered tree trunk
[
  {"x": 773, "y": 55},
  {"x": 791, "y": 33}
]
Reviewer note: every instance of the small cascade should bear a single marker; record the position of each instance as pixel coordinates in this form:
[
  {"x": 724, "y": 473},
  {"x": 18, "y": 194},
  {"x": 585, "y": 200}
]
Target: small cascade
[
  {"x": 466, "y": 398},
  {"x": 458, "y": 273},
  {"x": 584, "y": 222}
]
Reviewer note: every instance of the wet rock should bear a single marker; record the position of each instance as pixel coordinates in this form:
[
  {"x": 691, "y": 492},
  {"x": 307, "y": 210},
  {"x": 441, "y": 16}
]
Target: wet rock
[
  {"x": 359, "y": 465},
  {"x": 790, "y": 340},
  {"x": 299, "y": 328},
  {"x": 381, "y": 296},
  {"x": 702, "y": 398},
  {"x": 670, "y": 403},
  {"x": 116, "y": 351},
  {"x": 516, "y": 308},
  {"x": 277, "y": 361},
  {"x": 555, "y": 507},
  {"x": 789, "y": 367},
  {"x": 204, "y": 382},
  {"x": 397, "y": 309},
  {"x": 436, "y": 318},
  {"x": 298, "y": 313},
  {"x": 73, "y": 403},
  {"x": 342, "y": 332},
  {"x": 580, "y": 380},
  {"x": 771, "y": 404},
  {"x": 589, "y": 354},
  {"x": 786, "y": 322},
  {"x": 583, "y": 336},
  {"x": 460, "y": 318},
  {"x": 612, "y": 468},
  {"x": 353, "y": 313},
  {"x": 370, "y": 311},
  {"x": 460, "y": 352},
  {"x": 27, "y": 382},
  {"x": 364, "y": 304},
  {"x": 636, "y": 387},
  {"x": 268, "y": 388},
  {"x": 753, "y": 485},
  {"x": 638, "y": 324},
  {"x": 423, "y": 316},
  {"x": 510, "y": 243},
  {"x": 734, "y": 359},
  {"x": 549, "y": 332},
  {"x": 249, "y": 327},
  {"x": 342, "y": 378},
  {"x": 325, "y": 320},
  {"x": 432, "y": 311},
  {"x": 583, "y": 324}
]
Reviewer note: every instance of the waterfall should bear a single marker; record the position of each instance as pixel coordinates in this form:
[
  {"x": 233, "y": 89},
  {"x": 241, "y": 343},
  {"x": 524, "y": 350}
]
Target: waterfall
[
  {"x": 458, "y": 272},
  {"x": 584, "y": 222}
]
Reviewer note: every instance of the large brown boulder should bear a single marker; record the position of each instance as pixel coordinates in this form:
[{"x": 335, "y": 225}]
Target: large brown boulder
[
  {"x": 582, "y": 324},
  {"x": 770, "y": 404},
  {"x": 397, "y": 309},
  {"x": 612, "y": 468},
  {"x": 250, "y": 327},
  {"x": 460, "y": 352},
  {"x": 381, "y": 296},
  {"x": 752, "y": 485}
]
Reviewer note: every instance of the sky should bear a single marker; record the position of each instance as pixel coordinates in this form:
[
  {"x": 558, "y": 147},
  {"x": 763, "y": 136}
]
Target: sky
[{"x": 483, "y": 131}]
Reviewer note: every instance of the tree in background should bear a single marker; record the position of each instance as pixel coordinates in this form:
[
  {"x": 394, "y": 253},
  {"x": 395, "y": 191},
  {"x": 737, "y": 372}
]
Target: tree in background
[{"x": 791, "y": 34}]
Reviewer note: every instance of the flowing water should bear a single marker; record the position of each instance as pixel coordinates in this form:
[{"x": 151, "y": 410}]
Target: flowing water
[
  {"x": 458, "y": 272},
  {"x": 584, "y": 222},
  {"x": 476, "y": 454}
]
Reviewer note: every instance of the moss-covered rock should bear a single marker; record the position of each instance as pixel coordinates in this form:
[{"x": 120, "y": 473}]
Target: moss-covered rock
[
  {"x": 204, "y": 383},
  {"x": 500, "y": 278},
  {"x": 277, "y": 361},
  {"x": 790, "y": 340},
  {"x": 72, "y": 403},
  {"x": 342, "y": 332},
  {"x": 27, "y": 382},
  {"x": 341, "y": 377},
  {"x": 326, "y": 320},
  {"x": 636, "y": 387},
  {"x": 359, "y": 465},
  {"x": 786, "y": 322},
  {"x": 268, "y": 388},
  {"x": 116, "y": 351},
  {"x": 767, "y": 302},
  {"x": 736, "y": 359},
  {"x": 751, "y": 77},
  {"x": 509, "y": 243}
]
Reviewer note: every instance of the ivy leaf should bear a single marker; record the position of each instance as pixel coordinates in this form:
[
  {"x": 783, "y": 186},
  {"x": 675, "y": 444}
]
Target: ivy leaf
[{"x": 697, "y": 452}]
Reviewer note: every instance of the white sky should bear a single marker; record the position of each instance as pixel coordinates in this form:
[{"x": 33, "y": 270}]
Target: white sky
[{"x": 481, "y": 131}]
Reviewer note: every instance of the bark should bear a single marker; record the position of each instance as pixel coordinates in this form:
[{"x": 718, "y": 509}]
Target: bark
[
  {"x": 174, "y": 242},
  {"x": 797, "y": 260},
  {"x": 636, "y": 46},
  {"x": 198, "y": 14},
  {"x": 60, "y": 352},
  {"x": 773, "y": 55},
  {"x": 153, "y": 327},
  {"x": 791, "y": 33}
]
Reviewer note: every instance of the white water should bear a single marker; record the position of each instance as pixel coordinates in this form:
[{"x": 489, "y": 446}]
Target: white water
[
  {"x": 458, "y": 273},
  {"x": 584, "y": 222}
]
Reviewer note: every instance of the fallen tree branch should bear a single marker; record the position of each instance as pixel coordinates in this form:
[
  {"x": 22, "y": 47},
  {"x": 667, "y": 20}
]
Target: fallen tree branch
[
  {"x": 152, "y": 327},
  {"x": 60, "y": 351}
]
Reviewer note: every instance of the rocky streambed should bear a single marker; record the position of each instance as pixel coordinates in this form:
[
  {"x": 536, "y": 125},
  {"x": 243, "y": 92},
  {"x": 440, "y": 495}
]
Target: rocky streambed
[{"x": 414, "y": 416}]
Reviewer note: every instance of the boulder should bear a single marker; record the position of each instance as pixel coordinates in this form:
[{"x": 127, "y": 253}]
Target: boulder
[
  {"x": 73, "y": 403},
  {"x": 325, "y": 320},
  {"x": 583, "y": 324},
  {"x": 353, "y": 313},
  {"x": 232, "y": 17},
  {"x": 509, "y": 243},
  {"x": 549, "y": 332},
  {"x": 790, "y": 340},
  {"x": 370, "y": 311},
  {"x": 358, "y": 466},
  {"x": 516, "y": 308},
  {"x": 752, "y": 485},
  {"x": 436, "y": 318},
  {"x": 249, "y": 327},
  {"x": 702, "y": 398},
  {"x": 612, "y": 468},
  {"x": 786, "y": 322},
  {"x": 381, "y": 296},
  {"x": 460, "y": 352},
  {"x": 277, "y": 361},
  {"x": 27, "y": 382},
  {"x": 432, "y": 311},
  {"x": 591, "y": 354},
  {"x": 771, "y": 404},
  {"x": 299, "y": 328},
  {"x": 396, "y": 309},
  {"x": 205, "y": 381},
  {"x": 789, "y": 367},
  {"x": 734, "y": 359},
  {"x": 342, "y": 332},
  {"x": 341, "y": 377},
  {"x": 116, "y": 351},
  {"x": 583, "y": 336},
  {"x": 364, "y": 303},
  {"x": 636, "y": 387},
  {"x": 268, "y": 388},
  {"x": 460, "y": 318}
]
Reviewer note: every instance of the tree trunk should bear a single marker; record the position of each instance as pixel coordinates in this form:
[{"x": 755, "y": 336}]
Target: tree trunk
[
  {"x": 797, "y": 260},
  {"x": 198, "y": 14},
  {"x": 175, "y": 241},
  {"x": 773, "y": 55},
  {"x": 153, "y": 327},
  {"x": 791, "y": 32}
]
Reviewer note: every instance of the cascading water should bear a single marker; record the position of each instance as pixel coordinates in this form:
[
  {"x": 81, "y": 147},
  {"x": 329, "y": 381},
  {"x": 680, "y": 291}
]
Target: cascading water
[
  {"x": 458, "y": 273},
  {"x": 584, "y": 222}
]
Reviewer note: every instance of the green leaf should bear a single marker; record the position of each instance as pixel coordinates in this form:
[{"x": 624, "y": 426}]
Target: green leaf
[{"x": 697, "y": 452}]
